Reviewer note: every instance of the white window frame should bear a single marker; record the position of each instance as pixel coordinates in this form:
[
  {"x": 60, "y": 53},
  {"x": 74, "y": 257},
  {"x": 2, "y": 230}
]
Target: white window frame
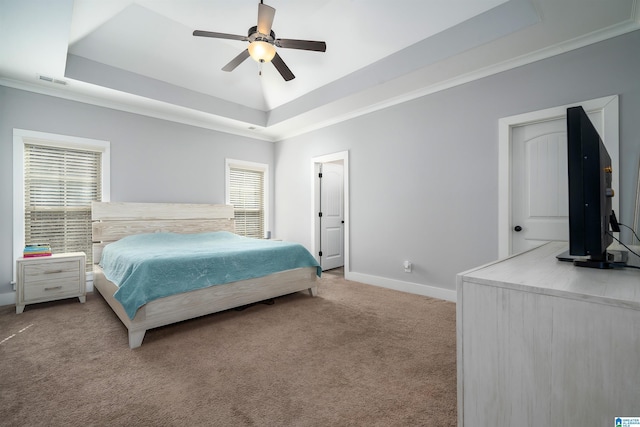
[
  {"x": 261, "y": 167},
  {"x": 22, "y": 137}
]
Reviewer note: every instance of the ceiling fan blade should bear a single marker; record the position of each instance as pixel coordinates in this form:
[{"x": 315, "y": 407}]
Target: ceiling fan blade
[
  {"x": 236, "y": 61},
  {"x": 282, "y": 68},
  {"x": 302, "y": 44},
  {"x": 199, "y": 33},
  {"x": 265, "y": 18}
]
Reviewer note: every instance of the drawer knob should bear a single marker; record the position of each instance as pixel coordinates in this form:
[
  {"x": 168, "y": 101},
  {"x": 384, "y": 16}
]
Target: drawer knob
[
  {"x": 53, "y": 288},
  {"x": 53, "y": 272}
]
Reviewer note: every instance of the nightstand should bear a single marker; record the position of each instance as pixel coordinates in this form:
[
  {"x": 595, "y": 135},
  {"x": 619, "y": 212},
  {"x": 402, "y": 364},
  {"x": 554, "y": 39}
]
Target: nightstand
[{"x": 50, "y": 278}]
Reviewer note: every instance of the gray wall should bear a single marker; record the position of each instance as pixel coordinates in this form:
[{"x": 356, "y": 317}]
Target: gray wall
[
  {"x": 424, "y": 173},
  {"x": 151, "y": 160}
]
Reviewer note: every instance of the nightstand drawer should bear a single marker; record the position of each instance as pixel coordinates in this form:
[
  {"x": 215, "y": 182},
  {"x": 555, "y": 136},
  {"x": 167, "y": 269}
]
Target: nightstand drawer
[
  {"x": 54, "y": 288},
  {"x": 50, "y": 271}
]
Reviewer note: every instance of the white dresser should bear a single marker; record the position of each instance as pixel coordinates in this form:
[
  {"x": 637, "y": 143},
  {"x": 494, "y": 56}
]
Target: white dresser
[
  {"x": 50, "y": 278},
  {"x": 544, "y": 343}
]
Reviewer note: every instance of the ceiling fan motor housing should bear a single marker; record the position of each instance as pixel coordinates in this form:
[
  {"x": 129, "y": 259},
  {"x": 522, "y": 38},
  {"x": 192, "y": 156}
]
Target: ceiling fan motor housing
[{"x": 255, "y": 36}]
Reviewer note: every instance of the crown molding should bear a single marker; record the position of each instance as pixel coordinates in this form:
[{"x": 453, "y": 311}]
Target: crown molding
[{"x": 309, "y": 121}]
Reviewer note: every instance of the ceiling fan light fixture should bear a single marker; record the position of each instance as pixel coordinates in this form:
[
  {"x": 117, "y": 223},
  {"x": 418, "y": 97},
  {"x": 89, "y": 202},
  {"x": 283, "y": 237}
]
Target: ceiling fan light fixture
[{"x": 262, "y": 51}]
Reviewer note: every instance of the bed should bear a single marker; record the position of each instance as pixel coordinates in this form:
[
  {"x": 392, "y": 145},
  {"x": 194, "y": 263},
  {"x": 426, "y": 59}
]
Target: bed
[{"x": 120, "y": 222}]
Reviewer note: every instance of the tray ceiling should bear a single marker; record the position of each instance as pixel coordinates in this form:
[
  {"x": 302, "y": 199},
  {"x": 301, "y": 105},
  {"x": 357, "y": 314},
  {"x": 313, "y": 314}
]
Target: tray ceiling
[{"x": 140, "y": 55}]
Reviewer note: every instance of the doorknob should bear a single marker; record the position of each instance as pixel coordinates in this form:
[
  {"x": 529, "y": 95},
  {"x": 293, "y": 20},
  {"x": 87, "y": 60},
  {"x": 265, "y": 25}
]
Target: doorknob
[{"x": 517, "y": 229}]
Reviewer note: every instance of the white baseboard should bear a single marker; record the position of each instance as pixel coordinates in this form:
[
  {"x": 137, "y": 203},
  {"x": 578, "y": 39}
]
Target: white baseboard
[
  {"x": 399, "y": 285},
  {"x": 8, "y": 298}
]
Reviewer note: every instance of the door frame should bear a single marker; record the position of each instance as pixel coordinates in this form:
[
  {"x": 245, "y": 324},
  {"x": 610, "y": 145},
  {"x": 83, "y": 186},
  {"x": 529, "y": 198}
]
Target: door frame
[
  {"x": 315, "y": 204},
  {"x": 608, "y": 106}
]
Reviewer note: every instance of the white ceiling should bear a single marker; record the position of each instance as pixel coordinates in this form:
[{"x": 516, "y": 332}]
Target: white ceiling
[{"x": 140, "y": 55}]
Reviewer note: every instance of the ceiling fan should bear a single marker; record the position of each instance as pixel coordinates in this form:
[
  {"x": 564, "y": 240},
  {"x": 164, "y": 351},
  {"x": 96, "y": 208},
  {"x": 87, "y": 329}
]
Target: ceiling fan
[{"x": 262, "y": 42}]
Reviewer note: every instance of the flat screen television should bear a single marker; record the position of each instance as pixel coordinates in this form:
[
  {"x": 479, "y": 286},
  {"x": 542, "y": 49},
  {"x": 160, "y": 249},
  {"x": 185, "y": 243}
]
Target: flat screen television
[{"x": 591, "y": 217}]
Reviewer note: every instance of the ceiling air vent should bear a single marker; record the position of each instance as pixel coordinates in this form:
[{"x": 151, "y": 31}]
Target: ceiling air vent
[{"x": 52, "y": 80}]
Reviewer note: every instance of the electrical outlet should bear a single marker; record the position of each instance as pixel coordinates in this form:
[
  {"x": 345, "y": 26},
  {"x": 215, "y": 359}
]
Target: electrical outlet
[{"x": 407, "y": 266}]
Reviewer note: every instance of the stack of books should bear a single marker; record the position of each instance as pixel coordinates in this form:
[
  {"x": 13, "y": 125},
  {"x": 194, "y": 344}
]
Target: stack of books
[{"x": 37, "y": 249}]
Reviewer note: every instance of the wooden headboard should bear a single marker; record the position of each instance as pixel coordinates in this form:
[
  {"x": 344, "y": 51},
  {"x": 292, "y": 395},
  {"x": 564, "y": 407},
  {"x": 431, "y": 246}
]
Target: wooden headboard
[{"x": 112, "y": 221}]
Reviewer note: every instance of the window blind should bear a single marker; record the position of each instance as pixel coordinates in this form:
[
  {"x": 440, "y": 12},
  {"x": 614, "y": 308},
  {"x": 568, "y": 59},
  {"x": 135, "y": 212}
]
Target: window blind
[
  {"x": 246, "y": 194},
  {"x": 59, "y": 185}
]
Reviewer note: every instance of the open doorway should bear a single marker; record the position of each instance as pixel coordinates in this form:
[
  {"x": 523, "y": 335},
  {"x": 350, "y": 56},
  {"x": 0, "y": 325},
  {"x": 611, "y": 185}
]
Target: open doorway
[{"x": 330, "y": 211}]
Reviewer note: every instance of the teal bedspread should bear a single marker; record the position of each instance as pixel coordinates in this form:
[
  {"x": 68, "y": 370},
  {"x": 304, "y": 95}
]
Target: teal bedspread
[{"x": 150, "y": 266}]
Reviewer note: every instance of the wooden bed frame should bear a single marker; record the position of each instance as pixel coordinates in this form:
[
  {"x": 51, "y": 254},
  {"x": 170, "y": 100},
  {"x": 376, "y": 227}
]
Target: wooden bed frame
[{"x": 113, "y": 221}]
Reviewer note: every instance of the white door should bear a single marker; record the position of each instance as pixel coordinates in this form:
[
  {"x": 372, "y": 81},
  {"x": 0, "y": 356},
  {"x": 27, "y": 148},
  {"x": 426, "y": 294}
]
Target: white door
[
  {"x": 538, "y": 180},
  {"x": 539, "y": 184},
  {"x": 332, "y": 219}
]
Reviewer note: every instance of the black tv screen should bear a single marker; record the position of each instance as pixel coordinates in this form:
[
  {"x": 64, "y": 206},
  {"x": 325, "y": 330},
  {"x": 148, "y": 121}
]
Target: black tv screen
[{"x": 590, "y": 192}]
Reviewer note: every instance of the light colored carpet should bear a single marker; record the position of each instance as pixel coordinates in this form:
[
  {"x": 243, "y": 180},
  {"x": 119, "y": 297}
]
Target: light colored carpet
[{"x": 356, "y": 355}]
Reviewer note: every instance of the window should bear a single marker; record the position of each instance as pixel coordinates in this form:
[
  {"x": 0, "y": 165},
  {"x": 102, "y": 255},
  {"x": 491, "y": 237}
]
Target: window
[
  {"x": 247, "y": 185},
  {"x": 60, "y": 177}
]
